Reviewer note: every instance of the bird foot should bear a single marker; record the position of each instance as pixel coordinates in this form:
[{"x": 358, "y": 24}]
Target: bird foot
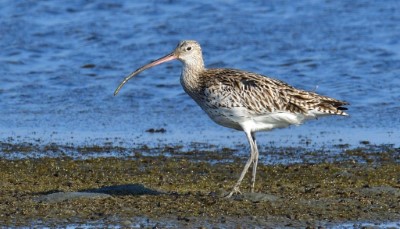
[{"x": 235, "y": 190}]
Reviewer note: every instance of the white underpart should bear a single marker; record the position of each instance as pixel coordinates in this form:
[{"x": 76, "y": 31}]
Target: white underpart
[{"x": 242, "y": 119}]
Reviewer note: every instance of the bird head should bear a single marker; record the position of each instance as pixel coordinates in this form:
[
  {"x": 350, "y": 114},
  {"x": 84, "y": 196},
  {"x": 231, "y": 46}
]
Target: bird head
[{"x": 188, "y": 52}]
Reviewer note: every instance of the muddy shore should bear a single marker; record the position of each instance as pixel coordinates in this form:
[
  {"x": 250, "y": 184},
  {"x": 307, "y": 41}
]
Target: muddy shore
[{"x": 184, "y": 190}]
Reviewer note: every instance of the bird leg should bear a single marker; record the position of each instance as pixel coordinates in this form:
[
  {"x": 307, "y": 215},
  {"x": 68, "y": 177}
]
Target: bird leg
[
  {"x": 246, "y": 167},
  {"x": 255, "y": 162}
]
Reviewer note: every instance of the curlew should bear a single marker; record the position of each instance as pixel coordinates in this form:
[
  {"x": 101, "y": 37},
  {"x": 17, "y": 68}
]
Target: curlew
[{"x": 244, "y": 101}]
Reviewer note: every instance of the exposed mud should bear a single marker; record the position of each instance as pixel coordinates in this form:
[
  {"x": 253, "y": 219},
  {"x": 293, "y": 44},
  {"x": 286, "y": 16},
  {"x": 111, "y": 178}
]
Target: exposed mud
[{"x": 184, "y": 191}]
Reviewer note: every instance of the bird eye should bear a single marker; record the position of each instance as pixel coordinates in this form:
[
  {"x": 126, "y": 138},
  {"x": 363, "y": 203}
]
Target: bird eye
[{"x": 189, "y": 48}]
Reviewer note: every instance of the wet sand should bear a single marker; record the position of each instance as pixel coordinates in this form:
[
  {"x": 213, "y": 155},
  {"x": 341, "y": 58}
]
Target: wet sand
[{"x": 184, "y": 190}]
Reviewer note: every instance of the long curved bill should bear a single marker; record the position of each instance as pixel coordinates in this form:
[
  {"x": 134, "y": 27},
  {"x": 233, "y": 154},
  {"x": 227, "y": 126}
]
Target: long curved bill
[{"x": 166, "y": 58}]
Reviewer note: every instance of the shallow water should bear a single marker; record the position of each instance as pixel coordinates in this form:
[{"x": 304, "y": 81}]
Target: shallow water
[
  {"x": 61, "y": 61},
  {"x": 145, "y": 222}
]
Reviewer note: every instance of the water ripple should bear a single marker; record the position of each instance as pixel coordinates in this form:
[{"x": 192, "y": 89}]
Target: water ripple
[{"x": 61, "y": 61}]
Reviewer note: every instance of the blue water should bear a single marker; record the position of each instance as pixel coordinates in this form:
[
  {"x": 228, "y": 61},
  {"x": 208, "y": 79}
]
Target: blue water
[{"x": 60, "y": 62}]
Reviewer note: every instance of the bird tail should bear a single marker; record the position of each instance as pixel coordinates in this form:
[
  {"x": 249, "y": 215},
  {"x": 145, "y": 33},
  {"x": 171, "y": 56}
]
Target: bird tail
[{"x": 333, "y": 106}]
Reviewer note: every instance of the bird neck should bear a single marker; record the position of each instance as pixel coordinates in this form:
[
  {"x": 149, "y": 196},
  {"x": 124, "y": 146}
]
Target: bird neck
[
  {"x": 191, "y": 73},
  {"x": 193, "y": 65}
]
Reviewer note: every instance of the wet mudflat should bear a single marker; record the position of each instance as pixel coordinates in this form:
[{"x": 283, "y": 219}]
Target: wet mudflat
[{"x": 184, "y": 189}]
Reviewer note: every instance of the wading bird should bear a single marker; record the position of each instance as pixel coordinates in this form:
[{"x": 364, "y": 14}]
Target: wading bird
[{"x": 243, "y": 100}]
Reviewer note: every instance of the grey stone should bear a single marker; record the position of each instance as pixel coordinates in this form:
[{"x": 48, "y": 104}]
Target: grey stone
[{"x": 64, "y": 196}]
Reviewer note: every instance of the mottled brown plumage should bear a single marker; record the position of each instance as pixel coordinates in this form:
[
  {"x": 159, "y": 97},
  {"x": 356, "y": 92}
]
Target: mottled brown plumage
[
  {"x": 262, "y": 94},
  {"x": 243, "y": 100}
]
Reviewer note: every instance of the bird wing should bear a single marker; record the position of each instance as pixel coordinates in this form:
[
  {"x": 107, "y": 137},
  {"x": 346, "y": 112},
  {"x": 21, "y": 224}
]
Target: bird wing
[{"x": 261, "y": 94}]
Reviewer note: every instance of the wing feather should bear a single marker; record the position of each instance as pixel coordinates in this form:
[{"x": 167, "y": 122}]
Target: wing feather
[{"x": 261, "y": 94}]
